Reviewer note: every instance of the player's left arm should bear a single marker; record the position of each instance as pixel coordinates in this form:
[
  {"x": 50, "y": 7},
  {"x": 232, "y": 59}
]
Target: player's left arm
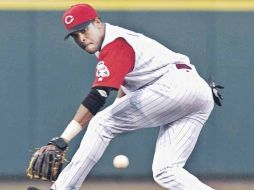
[{"x": 83, "y": 115}]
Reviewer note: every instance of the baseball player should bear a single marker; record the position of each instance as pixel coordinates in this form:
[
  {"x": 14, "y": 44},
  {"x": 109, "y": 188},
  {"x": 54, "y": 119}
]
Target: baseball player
[{"x": 156, "y": 88}]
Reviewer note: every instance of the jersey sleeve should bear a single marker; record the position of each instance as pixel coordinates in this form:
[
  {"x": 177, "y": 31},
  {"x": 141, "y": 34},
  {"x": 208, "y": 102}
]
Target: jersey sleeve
[{"x": 116, "y": 60}]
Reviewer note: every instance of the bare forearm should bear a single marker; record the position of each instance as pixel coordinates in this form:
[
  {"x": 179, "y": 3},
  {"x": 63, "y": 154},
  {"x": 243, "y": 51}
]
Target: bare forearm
[{"x": 83, "y": 116}]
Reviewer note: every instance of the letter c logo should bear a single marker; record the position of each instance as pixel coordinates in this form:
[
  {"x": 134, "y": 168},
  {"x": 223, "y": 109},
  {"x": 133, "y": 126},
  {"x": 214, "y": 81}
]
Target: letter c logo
[{"x": 68, "y": 19}]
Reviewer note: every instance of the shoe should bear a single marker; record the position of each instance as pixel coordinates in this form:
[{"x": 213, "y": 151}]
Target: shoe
[{"x": 32, "y": 188}]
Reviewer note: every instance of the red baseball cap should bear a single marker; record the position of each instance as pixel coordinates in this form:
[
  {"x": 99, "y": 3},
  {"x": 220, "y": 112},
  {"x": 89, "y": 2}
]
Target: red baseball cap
[{"x": 78, "y": 17}]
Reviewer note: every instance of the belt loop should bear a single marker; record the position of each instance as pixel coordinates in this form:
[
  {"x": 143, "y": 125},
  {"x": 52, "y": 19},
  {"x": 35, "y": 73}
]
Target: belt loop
[{"x": 182, "y": 66}]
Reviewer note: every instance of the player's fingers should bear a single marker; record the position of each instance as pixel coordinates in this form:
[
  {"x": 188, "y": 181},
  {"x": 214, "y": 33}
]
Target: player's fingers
[
  {"x": 38, "y": 166},
  {"x": 30, "y": 170},
  {"x": 46, "y": 165}
]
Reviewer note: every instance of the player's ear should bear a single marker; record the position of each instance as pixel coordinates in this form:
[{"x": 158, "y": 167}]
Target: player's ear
[{"x": 97, "y": 21}]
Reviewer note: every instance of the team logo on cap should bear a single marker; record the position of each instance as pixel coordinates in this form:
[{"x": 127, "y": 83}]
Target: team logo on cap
[
  {"x": 101, "y": 71},
  {"x": 68, "y": 19}
]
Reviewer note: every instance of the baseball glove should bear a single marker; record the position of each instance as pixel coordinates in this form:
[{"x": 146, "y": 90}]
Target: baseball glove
[{"x": 47, "y": 162}]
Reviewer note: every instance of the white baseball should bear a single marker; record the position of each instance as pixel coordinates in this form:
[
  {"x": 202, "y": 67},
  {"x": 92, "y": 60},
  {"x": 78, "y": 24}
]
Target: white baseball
[{"x": 121, "y": 162}]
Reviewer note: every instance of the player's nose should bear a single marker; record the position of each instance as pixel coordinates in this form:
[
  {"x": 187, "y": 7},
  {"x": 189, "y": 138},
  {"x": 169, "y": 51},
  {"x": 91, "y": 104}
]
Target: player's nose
[{"x": 81, "y": 37}]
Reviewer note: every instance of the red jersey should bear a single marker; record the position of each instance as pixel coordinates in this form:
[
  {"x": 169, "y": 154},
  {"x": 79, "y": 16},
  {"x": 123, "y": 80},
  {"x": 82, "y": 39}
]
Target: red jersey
[{"x": 115, "y": 61}]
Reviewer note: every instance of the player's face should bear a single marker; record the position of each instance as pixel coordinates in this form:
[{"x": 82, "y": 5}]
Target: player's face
[{"x": 90, "y": 39}]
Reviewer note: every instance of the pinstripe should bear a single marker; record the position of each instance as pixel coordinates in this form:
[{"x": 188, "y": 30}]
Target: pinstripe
[
  {"x": 167, "y": 178},
  {"x": 173, "y": 114},
  {"x": 147, "y": 104},
  {"x": 147, "y": 107},
  {"x": 184, "y": 145},
  {"x": 181, "y": 134},
  {"x": 159, "y": 94},
  {"x": 190, "y": 110},
  {"x": 158, "y": 108},
  {"x": 151, "y": 102},
  {"x": 96, "y": 154},
  {"x": 180, "y": 148},
  {"x": 186, "y": 132},
  {"x": 83, "y": 170},
  {"x": 97, "y": 150}
]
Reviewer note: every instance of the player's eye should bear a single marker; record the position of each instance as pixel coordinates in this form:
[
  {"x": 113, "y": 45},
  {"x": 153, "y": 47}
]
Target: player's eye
[
  {"x": 84, "y": 30},
  {"x": 74, "y": 35}
]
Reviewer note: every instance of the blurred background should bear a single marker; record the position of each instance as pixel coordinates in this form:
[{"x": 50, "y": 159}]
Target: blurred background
[{"x": 43, "y": 79}]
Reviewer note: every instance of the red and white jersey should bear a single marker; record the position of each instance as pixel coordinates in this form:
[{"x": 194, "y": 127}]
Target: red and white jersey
[{"x": 136, "y": 63}]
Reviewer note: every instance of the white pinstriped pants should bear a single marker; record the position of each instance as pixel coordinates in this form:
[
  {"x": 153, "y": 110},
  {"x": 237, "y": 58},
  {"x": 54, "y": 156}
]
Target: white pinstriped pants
[{"x": 179, "y": 102}]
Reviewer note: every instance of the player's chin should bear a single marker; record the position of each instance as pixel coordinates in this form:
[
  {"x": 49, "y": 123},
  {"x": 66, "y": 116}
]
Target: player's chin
[{"x": 91, "y": 49}]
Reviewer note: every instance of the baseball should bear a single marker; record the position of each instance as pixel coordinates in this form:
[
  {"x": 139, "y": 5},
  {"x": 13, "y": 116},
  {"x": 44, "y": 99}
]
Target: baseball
[{"x": 121, "y": 162}]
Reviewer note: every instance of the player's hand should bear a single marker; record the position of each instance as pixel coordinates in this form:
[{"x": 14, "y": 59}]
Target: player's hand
[{"x": 47, "y": 162}]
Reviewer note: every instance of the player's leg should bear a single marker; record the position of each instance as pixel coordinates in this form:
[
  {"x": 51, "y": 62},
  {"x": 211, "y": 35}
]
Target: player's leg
[
  {"x": 126, "y": 114},
  {"x": 174, "y": 146},
  {"x": 134, "y": 111},
  {"x": 153, "y": 106},
  {"x": 91, "y": 149},
  {"x": 177, "y": 139}
]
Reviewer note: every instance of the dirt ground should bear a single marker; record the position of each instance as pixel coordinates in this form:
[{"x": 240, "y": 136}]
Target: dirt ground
[{"x": 126, "y": 185}]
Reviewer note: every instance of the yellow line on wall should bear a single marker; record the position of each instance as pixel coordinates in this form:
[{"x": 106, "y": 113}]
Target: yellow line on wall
[{"x": 133, "y": 5}]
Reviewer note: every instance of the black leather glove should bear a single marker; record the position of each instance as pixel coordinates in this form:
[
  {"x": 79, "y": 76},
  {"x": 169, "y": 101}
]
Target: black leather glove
[
  {"x": 217, "y": 97},
  {"x": 47, "y": 162}
]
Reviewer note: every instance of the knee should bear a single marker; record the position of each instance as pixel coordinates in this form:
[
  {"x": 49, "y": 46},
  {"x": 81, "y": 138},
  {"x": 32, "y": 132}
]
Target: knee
[
  {"x": 99, "y": 126},
  {"x": 167, "y": 177},
  {"x": 158, "y": 176}
]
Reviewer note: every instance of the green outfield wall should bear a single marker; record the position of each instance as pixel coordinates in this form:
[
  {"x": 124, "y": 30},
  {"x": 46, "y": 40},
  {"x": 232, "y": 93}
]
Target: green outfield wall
[{"x": 43, "y": 79}]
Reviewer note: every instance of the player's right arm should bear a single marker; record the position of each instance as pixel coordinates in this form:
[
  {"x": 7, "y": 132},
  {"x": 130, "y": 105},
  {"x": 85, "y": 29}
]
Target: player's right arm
[
  {"x": 117, "y": 59},
  {"x": 83, "y": 115},
  {"x": 88, "y": 108},
  {"x": 80, "y": 119}
]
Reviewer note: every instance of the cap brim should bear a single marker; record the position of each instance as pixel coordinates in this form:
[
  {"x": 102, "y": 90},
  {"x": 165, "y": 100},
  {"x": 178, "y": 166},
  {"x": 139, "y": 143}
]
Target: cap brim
[{"x": 76, "y": 29}]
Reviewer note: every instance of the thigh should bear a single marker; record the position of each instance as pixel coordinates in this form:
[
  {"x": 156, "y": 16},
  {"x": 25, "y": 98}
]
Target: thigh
[
  {"x": 158, "y": 104},
  {"x": 141, "y": 109},
  {"x": 175, "y": 143}
]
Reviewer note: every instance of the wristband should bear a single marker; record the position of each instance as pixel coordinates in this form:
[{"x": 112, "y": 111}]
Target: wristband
[
  {"x": 71, "y": 130},
  {"x": 59, "y": 142}
]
